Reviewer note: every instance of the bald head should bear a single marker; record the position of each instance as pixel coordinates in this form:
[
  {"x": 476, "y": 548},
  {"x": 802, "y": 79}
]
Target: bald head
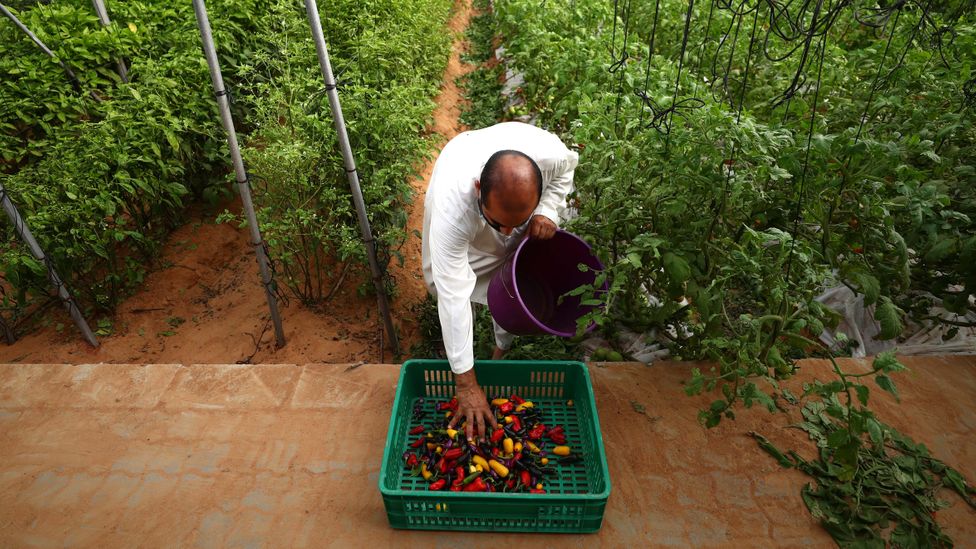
[{"x": 511, "y": 181}]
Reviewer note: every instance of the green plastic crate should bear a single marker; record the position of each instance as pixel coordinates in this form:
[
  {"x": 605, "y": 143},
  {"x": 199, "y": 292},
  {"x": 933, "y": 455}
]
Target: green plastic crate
[{"x": 576, "y": 497}]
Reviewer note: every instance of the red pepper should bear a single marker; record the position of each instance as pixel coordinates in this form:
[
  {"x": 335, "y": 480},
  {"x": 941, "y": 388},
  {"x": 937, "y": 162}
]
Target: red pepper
[
  {"x": 453, "y": 454},
  {"x": 494, "y": 452},
  {"x": 557, "y": 429},
  {"x": 497, "y": 435},
  {"x": 438, "y": 484},
  {"x": 534, "y": 491},
  {"x": 442, "y": 466},
  {"x": 536, "y": 432},
  {"x": 455, "y": 487},
  {"x": 516, "y": 423},
  {"x": 459, "y": 471},
  {"x": 518, "y": 456},
  {"x": 516, "y": 399},
  {"x": 506, "y": 408},
  {"x": 476, "y": 485},
  {"x": 417, "y": 430},
  {"x": 412, "y": 460},
  {"x": 526, "y": 478},
  {"x": 417, "y": 443},
  {"x": 510, "y": 482},
  {"x": 558, "y": 439}
]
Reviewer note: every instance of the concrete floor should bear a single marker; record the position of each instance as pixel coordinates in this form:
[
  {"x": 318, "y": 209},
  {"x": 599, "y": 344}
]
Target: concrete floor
[{"x": 285, "y": 455}]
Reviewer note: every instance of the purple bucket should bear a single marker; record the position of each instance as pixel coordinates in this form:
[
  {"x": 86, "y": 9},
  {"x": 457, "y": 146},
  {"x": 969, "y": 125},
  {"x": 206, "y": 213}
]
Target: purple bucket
[{"x": 523, "y": 295}]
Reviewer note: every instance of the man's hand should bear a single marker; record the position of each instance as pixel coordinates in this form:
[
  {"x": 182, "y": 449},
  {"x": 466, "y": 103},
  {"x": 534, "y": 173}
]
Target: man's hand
[
  {"x": 541, "y": 227},
  {"x": 473, "y": 406}
]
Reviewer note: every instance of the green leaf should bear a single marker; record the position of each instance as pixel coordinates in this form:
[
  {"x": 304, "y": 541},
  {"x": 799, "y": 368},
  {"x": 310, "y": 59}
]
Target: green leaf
[
  {"x": 940, "y": 250},
  {"x": 888, "y": 362},
  {"x": 868, "y": 285},
  {"x": 885, "y": 383},
  {"x": 677, "y": 269},
  {"x": 862, "y": 393},
  {"x": 874, "y": 431},
  {"x": 889, "y": 316},
  {"x": 772, "y": 450}
]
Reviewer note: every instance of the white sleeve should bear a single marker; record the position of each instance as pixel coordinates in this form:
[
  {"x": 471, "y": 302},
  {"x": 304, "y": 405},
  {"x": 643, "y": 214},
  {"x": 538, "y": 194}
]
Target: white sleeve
[
  {"x": 554, "y": 195},
  {"x": 455, "y": 282}
]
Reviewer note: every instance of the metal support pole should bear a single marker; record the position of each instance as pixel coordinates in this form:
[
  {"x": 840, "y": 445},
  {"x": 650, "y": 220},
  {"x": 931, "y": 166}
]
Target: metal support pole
[
  {"x": 103, "y": 17},
  {"x": 24, "y": 233},
  {"x": 243, "y": 185},
  {"x": 350, "y": 164},
  {"x": 75, "y": 83}
]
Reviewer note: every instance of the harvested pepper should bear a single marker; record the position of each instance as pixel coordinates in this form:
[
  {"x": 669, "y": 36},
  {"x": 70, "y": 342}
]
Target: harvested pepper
[
  {"x": 498, "y": 468},
  {"x": 453, "y": 454},
  {"x": 478, "y": 460},
  {"x": 536, "y": 432},
  {"x": 418, "y": 430},
  {"x": 477, "y": 485},
  {"x": 497, "y": 435},
  {"x": 507, "y": 408},
  {"x": 438, "y": 484},
  {"x": 561, "y": 450},
  {"x": 417, "y": 443},
  {"x": 508, "y": 446}
]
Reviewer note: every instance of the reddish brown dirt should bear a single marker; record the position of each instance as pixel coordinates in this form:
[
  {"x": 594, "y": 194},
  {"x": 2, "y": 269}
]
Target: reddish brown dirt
[{"x": 205, "y": 303}]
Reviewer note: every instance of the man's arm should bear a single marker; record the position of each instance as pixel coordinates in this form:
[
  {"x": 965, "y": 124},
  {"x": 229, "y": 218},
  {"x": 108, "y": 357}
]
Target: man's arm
[
  {"x": 455, "y": 281},
  {"x": 545, "y": 218}
]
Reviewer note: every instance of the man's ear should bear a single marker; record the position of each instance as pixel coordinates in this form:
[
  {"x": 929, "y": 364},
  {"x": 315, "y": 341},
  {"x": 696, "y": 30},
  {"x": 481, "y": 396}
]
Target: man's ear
[{"x": 477, "y": 185}]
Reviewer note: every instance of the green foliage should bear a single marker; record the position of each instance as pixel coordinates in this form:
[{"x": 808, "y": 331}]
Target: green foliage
[
  {"x": 719, "y": 230},
  {"x": 483, "y": 85},
  {"x": 102, "y": 182},
  {"x": 388, "y": 57}
]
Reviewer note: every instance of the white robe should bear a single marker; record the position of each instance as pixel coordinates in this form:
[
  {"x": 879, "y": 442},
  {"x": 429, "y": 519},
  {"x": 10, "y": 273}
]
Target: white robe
[{"x": 460, "y": 251}]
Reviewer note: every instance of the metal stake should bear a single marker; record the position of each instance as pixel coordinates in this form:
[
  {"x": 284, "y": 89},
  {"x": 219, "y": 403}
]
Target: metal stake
[
  {"x": 235, "y": 154},
  {"x": 25, "y": 234},
  {"x": 350, "y": 164},
  {"x": 103, "y": 17}
]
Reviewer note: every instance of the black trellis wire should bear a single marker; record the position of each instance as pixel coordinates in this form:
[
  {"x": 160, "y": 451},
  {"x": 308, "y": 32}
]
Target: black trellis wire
[
  {"x": 619, "y": 66},
  {"x": 801, "y": 183},
  {"x": 677, "y": 80}
]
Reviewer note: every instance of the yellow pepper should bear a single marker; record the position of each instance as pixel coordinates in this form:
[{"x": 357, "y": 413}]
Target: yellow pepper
[
  {"x": 498, "y": 468},
  {"x": 508, "y": 447},
  {"x": 478, "y": 460},
  {"x": 561, "y": 450}
]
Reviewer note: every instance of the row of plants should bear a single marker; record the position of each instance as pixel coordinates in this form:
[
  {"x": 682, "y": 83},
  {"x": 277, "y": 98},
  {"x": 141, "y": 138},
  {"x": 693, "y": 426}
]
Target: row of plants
[
  {"x": 103, "y": 173},
  {"x": 699, "y": 226},
  {"x": 389, "y": 57},
  {"x": 722, "y": 220}
]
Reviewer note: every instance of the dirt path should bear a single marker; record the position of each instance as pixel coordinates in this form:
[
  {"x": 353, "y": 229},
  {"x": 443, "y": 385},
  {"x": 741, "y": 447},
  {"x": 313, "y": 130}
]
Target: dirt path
[{"x": 206, "y": 304}]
